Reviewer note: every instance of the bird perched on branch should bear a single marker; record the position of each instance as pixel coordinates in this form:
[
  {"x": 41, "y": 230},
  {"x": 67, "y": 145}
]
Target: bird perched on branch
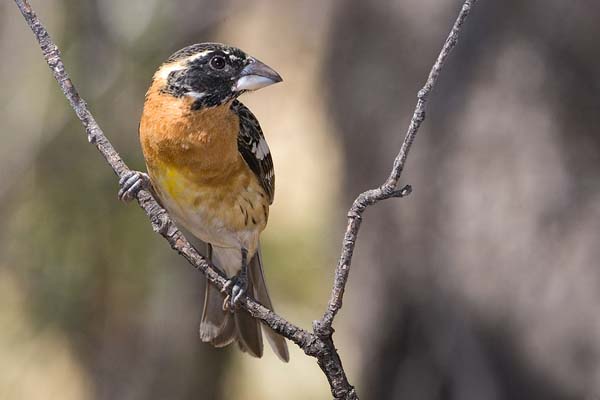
[{"x": 210, "y": 167}]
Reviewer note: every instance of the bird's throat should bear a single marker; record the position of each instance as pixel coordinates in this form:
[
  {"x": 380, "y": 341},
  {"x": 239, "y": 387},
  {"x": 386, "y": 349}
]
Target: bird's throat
[{"x": 200, "y": 143}]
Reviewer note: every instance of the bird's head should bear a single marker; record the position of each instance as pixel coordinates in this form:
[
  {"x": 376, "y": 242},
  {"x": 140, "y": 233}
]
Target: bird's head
[{"x": 212, "y": 74}]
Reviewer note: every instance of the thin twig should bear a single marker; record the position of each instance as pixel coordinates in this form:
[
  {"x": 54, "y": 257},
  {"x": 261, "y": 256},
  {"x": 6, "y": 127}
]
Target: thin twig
[
  {"x": 319, "y": 344},
  {"x": 388, "y": 190}
]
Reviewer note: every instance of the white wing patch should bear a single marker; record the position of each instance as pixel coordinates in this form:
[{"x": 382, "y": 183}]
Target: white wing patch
[{"x": 261, "y": 150}]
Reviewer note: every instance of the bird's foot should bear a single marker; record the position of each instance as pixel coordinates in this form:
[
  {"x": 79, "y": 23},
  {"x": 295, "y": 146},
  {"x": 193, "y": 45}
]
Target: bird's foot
[
  {"x": 236, "y": 287},
  {"x": 131, "y": 183}
]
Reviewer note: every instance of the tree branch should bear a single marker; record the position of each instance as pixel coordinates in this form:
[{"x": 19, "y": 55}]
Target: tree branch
[
  {"x": 320, "y": 343},
  {"x": 389, "y": 188}
]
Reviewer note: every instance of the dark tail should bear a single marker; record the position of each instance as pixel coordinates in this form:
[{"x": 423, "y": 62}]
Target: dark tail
[{"x": 221, "y": 328}]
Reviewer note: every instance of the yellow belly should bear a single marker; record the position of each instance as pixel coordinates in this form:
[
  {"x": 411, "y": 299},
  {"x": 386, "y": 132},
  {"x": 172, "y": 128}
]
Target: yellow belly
[{"x": 231, "y": 213}]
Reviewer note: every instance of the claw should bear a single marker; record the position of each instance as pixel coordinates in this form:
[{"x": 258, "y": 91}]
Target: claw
[
  {"x": 236, "y": 298},
  {"x": 238, "y": 290},
  {"x": 131, "y": 183},
  {"x": 226, "y": 303},
  {"x": 236, "y": 293},
  {"x": 239, "y": 286}
]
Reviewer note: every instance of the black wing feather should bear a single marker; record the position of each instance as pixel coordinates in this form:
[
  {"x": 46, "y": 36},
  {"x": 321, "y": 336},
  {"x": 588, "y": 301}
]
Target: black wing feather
[{"x": 253, "y": 147}]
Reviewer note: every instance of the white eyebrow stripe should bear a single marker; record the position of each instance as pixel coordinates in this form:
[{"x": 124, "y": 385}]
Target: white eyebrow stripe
[
  {"x": 163, "y": 72},
  {"x": 198, "y": 55}
]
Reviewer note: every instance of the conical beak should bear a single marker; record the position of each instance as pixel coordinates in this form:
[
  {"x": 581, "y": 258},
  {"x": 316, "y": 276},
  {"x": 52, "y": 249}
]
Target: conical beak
[{"x": 256, "y": 75}]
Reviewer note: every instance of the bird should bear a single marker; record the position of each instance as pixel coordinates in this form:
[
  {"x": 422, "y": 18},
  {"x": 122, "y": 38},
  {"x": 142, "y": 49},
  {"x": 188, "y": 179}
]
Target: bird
[{"x": 209, "y": 165}]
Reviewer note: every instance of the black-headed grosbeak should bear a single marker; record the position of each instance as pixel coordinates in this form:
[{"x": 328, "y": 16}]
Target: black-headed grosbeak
[{"x": 210, "y": 167}]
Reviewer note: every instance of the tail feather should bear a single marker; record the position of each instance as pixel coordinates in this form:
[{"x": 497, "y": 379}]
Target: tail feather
[
  {"x": 261, "y": 294},
  {"x": 214, "y": 324},
  {"x": 221, "y": 328},
  {"x": 216, "y": 327},
  {"x": 227, "y": 334},
  {"x": 249, "y": 335}
]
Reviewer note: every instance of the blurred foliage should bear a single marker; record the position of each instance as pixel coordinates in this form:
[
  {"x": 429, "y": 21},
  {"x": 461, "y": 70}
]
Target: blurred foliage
[
  {"x": 481, "y": 285},
  {"x": 124, "y": 309}
]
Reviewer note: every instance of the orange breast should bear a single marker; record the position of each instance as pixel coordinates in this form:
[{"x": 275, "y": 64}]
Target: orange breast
[
  {"x": 200, "y": 143},
  {"x": 195, "y": 166}
]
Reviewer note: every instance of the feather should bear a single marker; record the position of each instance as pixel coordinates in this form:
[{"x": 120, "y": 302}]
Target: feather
[{"x": 254, "y": 148}]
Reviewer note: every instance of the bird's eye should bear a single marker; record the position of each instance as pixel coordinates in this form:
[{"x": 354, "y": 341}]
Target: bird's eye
[{"x": 217, "y": 62}]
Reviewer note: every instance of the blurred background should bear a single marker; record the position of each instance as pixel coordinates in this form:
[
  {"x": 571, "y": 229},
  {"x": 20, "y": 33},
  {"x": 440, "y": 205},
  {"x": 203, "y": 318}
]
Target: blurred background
[{"x": 483, "y": 284}]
